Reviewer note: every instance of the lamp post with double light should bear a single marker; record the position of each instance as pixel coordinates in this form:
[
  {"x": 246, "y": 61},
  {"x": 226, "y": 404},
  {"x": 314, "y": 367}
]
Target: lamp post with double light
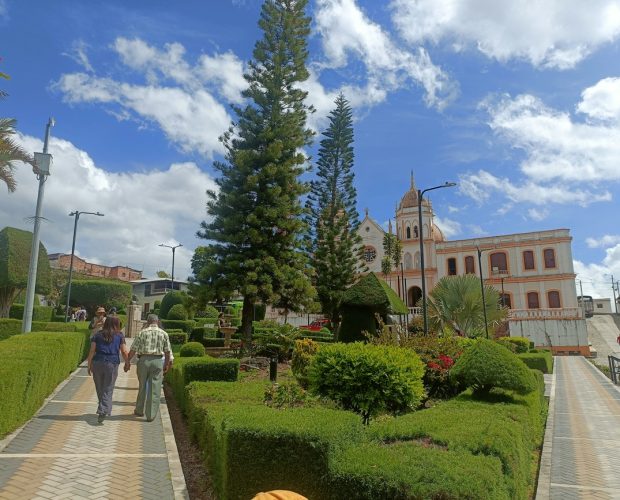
[
  {"x": 421, "y": 238},
  {"x": 173, "y": 247},
  {"x": 75, "y": 214}
]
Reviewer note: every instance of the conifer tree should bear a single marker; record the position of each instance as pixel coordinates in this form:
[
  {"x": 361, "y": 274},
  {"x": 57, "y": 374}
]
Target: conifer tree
[
  {"x": 257, "y": 224},
  {"x": 334, "y": 244}
]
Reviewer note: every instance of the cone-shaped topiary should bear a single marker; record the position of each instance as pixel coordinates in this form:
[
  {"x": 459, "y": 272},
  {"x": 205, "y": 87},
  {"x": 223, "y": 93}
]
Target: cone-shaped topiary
[{"x": 487, "y": 364}]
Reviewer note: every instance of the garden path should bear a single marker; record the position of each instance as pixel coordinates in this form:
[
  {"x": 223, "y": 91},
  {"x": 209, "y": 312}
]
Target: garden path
[
  {"x": 581, "y": 456},
  {"x": 62, "y": 452}
]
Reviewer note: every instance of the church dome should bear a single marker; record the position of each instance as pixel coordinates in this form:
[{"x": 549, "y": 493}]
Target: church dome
[
  {"x": 410, "y": 199},
  {"x": 436, "y": 233}
]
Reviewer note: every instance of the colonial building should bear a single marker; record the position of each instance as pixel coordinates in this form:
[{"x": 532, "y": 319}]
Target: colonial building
[
  {"x": 147, "y": 291},
  {"x": 63, "y": 261},
  {"x": 532, "y": 271}
]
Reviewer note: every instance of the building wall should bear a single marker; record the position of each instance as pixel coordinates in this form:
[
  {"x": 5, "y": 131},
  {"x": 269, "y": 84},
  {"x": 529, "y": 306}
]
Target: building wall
[
  {"x": 561, "y": 336},
  {"x": 81, "y": 266},
  {"x": 602, "y": 306}
]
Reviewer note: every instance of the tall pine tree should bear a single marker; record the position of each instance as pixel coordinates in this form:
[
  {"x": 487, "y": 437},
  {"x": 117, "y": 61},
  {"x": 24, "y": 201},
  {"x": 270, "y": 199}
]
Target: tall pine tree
[
  {"x": 335, "y": 245},
  {"x": 256, "y": 223}
]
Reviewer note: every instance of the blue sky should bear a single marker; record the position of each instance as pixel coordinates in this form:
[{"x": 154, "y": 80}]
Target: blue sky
[{"x": 517, "y": 102}]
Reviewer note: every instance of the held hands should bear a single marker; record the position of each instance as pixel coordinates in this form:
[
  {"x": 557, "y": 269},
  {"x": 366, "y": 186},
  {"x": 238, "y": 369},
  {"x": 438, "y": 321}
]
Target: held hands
[{"x": 127, "y": 366}]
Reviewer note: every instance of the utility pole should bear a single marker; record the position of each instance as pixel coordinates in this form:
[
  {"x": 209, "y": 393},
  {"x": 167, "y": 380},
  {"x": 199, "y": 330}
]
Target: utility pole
[
  {"x": 613, "y": 289},
  {"x": 173, "y": 248},
  {"x": 42, "y": 171}
]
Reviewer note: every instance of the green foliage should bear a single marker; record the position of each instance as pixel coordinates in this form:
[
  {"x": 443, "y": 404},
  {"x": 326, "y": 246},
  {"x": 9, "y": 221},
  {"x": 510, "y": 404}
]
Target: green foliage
[
  {"x": 375, "y": 294},
  {"x": 393, "y": 251},
  {"x": 541, "y": 360},
  {"x": 518, "y": 345},
  {"x": 172, "y": 298},
  {"x": 284, "y": 336},
  {"x": 177, "y": 337},
  {"x": 303, "y": 352},
  {"x": 211, "y": 312},
  {"x": 186, "y": 326},
  {"x": 94, "y": 293},
  {"x": 368, "y": 379},
  {"x": 10, "y": 151},
  {"x": 177, "y": 312},
  {"x": 255, "y": 214},
  {"x": 334, "y": 245},
  {"x": 192, "y": 350},
  {"x": 208, "y": 342},
  {"x": 355, "y": 321},
  {"x": 455, "y": 304},
  {"x": 487, "y": 365},
  {"x": 9, "y": 327},
  {"x": 39, "y": 313},
  {"x": 286, "y": 395},
  {"x": 32, "y": 365},
  {"x": 15, "y": 248}
]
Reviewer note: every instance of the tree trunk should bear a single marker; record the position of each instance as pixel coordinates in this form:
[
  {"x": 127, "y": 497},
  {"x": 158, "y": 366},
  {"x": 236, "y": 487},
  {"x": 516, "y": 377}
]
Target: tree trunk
[
  {"x": 247, "y": 316},
  {"x": 7, "y": 296}
]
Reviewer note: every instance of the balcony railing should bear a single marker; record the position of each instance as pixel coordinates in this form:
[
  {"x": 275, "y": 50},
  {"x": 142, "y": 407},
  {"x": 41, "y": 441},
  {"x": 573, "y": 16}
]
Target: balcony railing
[
  {"x": 415, "y": 311},
  {"x": 532, "y": 314}
]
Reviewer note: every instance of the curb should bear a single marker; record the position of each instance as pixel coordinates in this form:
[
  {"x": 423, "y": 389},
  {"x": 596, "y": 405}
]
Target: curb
[
  {"x": 543, "y": 487},
  {"x": 174, "y": 462}
]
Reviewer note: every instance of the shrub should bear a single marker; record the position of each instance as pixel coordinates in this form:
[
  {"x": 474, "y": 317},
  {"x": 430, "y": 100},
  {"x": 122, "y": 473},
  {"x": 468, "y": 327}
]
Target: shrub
[
  {"x": 93, "y": 293},
  {"x": 515, "y": 344},
  {"x": 9, "y": 327},
  {"x": 368, "y": 379},
  {"x": 39, "y": 313},
  {"x": 197, "y": 334},
  {"x": 177, "y": 337},
  {"x": 541, "y": 360},
  {"x": 211, "y": 312},
  {"x": 55, "y": 327},
  {"x": 33, "y": 365},
  {"x": 303, "y": 352},
  {"x": 177, "y": 312},
  {"x": 286, "y": 395},
  {"x": 170, "y": 299},
  {"x": 487, "y": 365},
  {"x": 356, "y": 320},
  {"x": 157, "y": 304},
  {"x": 213, "y": 342},
  {"x": 192, "y": 350},
  {"x": 186, "y": 326}
]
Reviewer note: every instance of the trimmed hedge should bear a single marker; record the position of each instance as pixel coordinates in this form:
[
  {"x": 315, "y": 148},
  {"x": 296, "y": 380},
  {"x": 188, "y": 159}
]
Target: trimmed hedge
[
  {"x": 541, "y": 360},
  {"x": 177, "y": 337},
  {"x": 39, "y": 313},
  {"x": 10, "y": 327},
  {"x": 213, "y": 342},
  {"x": 177, "y": 312},
  {"x": 192, "y": 350},
  {"x": 100, "y": 292},
  {"x": 32, "y": 366},
  {"x": 173, "y": 324},
  {"x": 517, "y": 345}
]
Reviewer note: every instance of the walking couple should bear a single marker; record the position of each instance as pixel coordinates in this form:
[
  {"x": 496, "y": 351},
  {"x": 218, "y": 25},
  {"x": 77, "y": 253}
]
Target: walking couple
[{"x": 152, "y": 346}]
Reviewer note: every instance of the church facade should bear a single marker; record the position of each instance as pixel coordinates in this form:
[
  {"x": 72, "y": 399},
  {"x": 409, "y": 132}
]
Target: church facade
[{"x": 532, "y": 271}]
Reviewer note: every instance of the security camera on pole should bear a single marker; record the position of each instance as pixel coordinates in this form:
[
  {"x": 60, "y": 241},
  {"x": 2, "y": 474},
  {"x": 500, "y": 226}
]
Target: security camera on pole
[{"x": 43, "y": 163}]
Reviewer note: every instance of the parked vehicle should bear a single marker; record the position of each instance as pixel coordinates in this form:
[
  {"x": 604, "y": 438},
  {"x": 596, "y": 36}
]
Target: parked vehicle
[{"x": 316, "y": 325}]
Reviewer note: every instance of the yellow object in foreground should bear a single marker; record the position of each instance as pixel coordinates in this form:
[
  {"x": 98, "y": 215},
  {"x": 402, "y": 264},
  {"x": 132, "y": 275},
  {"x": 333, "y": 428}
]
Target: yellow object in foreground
[{"x": 279, "y": 495}]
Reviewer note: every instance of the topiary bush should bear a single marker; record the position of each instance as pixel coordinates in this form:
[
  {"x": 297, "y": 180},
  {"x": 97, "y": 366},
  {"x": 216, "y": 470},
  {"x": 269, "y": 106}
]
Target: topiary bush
[
  {"x": 177, "y": 337},
  {"x": 177, "y": 312},
  {"x": 517, "y": 345},
  {"x": 170, "y": 299},
  {"x": 368, "y": 379},
  {"x": 192, "y": 350},
  {"x": 487, "y": 365},
  {"x": 303, "y": 352},
  {"x": 540, "y": 360},
  {"x": 39, "y": 313},
  {"x": 187, "y": 325}
]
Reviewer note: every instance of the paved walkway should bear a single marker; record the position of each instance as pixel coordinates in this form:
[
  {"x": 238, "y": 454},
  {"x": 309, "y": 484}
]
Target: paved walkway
[
  {"x": 64, "y": 453},
  {"x": 581, "y": 458}
]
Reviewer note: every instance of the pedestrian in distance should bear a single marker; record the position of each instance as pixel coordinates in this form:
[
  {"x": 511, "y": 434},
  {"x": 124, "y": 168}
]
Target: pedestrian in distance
[
  {"x": 103, "y": 361},
  {"x": 150, "y": 345},
  {"x": 98, "y": 321}
]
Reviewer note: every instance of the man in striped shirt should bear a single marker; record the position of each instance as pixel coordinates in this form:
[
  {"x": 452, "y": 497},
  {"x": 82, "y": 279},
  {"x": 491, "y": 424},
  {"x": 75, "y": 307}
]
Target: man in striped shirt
[{"x": 150, "y": 345}]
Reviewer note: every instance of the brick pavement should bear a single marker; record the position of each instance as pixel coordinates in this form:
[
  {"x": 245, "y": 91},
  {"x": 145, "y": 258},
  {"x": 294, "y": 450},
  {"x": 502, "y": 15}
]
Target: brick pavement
[
  {"x": 585, "y": 435},
  {"x": 64, "y": 453}
]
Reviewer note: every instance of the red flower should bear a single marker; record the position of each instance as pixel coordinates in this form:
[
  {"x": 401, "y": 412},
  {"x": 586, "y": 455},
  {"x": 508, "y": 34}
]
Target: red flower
[{"x": 446, "y": 361}]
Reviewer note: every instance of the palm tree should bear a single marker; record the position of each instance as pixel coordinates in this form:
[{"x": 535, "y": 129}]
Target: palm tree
[
  {"x": 10, "y": 152},
  {"x": 456, "y": 304}
]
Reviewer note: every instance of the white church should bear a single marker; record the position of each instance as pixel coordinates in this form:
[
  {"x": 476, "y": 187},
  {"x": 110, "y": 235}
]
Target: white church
[{"x": 532, "y": 271}]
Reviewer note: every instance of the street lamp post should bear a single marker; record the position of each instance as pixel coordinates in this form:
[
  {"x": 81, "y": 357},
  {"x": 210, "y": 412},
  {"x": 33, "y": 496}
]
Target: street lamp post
[
  {"x": 173, "y": 249},
  {"x": 75, "y": 214},
  {"x": 421, "y": 237},
  {"x": 42, "y": 170},
  {"x": 484, "y": 304}
]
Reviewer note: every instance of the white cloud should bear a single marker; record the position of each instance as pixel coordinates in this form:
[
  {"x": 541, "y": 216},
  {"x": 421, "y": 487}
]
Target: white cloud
[
  {"x": 605, "y": 241},
  {"x": 142, "y": 209},
  {"x": 596, "y": 277},
  {"x": 79, "y": 54},
  {"x": 345, "y": 30},
  {"x": 538, "y": 214},
  {"x": 602, "y": 100},
  {"x": 552, "y": 34},
  {"x": 448, "y": 227}
]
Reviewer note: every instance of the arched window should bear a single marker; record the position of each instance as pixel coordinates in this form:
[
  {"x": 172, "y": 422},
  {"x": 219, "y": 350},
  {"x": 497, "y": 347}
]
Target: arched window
[
  {"x": 549, "y": 254},
  {"x": 408, "y": 233},
  {"x": 499, "y": 262},
  {"x": 408, "y": 260},
  {"x": 553, "y": 299},
  {"x": 470, "y": 268},
  {"x": 528, "y": 260},
  {"x": 451, "y": 266},
  {"x": 416, "y": 260},
  {"x": 416, "y": 234},
  {"x": 532, "y": 300}
]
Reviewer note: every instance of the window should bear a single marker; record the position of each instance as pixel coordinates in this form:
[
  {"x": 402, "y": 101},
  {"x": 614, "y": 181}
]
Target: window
[
  {"x": 415, "y": 232},
  {"x": 528, "y": 260},
  {"x": 549, "y": 254},
  {"x": 416, "y": 260},
  {"x": 532, "y": 300},
  {"x": 408, "y": 261},
  {"x": 367, "y": 228},
  {"x": 553, "y": 298},
  {"x": 469, "y": 265},
  {"x": 451, "y": 266},
  {"x": 499, "y": 262},
  {"x": 147, "y": 289},
  {"x": 408, "y": 233},
  {"x": 599, "y": 306},
  {"x": 370, "y": 254},
  {"x": 504, "y": 300}
]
